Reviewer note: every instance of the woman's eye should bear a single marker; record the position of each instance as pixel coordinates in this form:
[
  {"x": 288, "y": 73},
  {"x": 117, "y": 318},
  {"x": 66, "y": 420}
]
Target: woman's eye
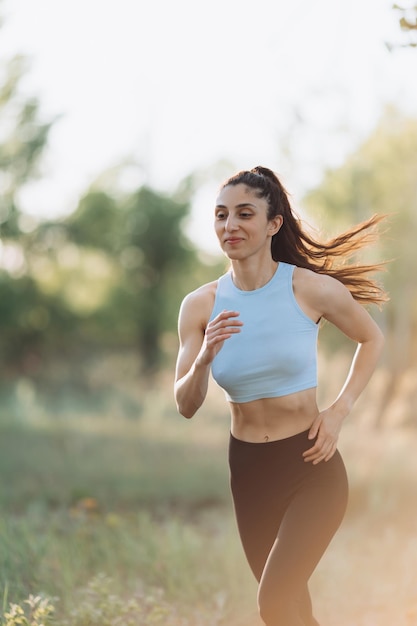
[
  {"x": 244, "y": 214},
  {"x": 220, "y": 216}
]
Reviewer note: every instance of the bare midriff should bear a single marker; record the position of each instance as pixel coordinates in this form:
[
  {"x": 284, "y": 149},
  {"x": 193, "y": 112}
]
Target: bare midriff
[{"x": 269, "y": 419}]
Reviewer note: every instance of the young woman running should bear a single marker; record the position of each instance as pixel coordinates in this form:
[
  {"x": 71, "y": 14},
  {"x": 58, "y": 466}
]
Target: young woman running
[{"x": 255, "y": 329}]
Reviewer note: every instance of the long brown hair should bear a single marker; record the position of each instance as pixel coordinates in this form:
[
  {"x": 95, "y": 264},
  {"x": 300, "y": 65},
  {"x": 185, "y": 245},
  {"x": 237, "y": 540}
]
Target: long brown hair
[{"x": 291, "y": 244}]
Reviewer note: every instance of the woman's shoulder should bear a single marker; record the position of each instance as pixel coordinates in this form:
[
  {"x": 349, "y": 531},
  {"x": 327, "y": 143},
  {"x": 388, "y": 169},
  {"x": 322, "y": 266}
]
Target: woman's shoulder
[
  {"x": 316, "y": 280},
  {"x": 204, "y": 292},
  {"x": 201, "y": 300},
  {"x": 317, "y": 288},
  {"x": 306, "y": 278}
]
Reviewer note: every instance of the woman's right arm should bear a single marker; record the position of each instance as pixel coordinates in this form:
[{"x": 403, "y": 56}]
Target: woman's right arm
[{"x": 200, "y": 341}]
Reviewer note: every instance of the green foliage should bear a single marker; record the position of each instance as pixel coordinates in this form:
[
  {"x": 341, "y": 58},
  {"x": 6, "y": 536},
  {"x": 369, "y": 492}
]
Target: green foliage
[
  {"x": 23, "y": 139},
  {"x": 96, "y": 223},
  {"x": 110, "y": 276},
  {"x": 380, "y": 177},
  {"x": 24, "y": 311},
  {"x": 153, "y": 229},
  {"x": 32, "y": 321},
  {"x": 142, "y": 234}
]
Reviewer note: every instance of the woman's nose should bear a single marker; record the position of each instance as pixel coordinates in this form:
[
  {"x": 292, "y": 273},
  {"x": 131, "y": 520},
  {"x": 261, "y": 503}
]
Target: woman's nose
[{"x": 231, "y": 223}]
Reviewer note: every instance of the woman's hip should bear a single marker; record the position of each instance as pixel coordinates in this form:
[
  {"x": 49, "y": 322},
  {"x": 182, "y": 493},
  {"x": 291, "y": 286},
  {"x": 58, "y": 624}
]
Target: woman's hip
[{"x": 278, "y": 467}]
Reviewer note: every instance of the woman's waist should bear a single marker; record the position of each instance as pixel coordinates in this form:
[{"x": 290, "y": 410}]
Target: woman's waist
[{"x": 269, "y": 419}]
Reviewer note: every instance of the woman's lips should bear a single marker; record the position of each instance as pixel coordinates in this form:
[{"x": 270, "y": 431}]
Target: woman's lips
[{"x": 233, "y": 240}]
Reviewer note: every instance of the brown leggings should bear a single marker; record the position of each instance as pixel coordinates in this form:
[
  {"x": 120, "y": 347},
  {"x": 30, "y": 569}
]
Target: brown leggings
[{"x": 287, "y": 512}]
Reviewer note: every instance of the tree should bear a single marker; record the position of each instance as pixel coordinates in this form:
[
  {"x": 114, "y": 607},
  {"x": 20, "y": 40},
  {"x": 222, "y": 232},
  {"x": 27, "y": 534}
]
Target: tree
[
  {"x": 96, "y": 222},
  {"x": 155, "y": 242},
  {"x": 143, "y": 235},
  {"x": 381, "y": 178},
  {"x": 23, "y": 138}
]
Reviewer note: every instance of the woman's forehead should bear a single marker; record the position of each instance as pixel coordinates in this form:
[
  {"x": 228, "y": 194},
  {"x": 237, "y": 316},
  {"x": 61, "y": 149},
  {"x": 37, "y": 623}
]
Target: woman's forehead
[{"x": 238, "y": 194}]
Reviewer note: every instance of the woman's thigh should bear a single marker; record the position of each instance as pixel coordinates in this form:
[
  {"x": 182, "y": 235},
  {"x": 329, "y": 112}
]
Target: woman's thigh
[
  {"x": 306, "y": 528},
  {"x": 287, "y": 512}
]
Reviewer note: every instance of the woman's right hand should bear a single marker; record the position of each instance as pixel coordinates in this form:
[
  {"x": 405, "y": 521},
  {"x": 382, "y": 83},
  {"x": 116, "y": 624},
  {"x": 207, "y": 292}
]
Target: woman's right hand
[
  {"x": 218, "y": 330},
  {"x": 199, "y": 343}
]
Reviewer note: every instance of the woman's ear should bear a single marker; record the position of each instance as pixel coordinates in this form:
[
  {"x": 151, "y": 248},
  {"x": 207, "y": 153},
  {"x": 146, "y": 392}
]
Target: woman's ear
[{"x": 275, "y": 224}]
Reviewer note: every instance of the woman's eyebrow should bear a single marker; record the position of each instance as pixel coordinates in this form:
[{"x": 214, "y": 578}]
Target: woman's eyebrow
[{"x": 238, "y": 206}]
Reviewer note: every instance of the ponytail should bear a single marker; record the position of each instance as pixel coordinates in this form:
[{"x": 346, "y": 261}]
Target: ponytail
[{"x": 292, "y": 244}]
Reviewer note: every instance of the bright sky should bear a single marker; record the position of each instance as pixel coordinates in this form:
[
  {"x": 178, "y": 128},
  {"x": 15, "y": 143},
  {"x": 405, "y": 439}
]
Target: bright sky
[{"x": 179, "y": 84}]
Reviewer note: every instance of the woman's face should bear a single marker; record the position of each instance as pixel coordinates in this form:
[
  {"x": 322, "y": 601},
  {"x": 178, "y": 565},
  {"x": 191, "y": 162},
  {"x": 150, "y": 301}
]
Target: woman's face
[{"x": 241, "y": 222}]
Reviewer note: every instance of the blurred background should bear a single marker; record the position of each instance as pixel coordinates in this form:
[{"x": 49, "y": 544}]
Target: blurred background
[{"x": 118, "y": 122}]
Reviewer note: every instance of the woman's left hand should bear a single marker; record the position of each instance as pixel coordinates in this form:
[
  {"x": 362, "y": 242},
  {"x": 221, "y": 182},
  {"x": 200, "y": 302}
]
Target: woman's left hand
[{"x": 325, "y": 429}]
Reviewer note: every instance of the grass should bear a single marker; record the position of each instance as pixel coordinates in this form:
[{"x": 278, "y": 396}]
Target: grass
[
  {"x": 141, "y": 502},
  {"x": 131, "y": 520}
]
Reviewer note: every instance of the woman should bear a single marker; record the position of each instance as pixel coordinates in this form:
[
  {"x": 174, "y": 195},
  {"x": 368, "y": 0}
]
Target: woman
[{"x": 255, "y": 329}]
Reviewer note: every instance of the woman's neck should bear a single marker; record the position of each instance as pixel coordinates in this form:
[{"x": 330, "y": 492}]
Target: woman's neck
[{"x": 250, "y": 276}]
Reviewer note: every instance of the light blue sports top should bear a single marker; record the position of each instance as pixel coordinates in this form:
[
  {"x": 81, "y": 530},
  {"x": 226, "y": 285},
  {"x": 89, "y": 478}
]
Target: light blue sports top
[{"x": 275, "y": 353}]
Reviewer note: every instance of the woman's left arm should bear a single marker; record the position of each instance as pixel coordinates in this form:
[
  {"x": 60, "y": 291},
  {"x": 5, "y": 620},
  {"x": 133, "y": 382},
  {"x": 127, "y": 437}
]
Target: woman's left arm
[{"x": 333, "y": 301}]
